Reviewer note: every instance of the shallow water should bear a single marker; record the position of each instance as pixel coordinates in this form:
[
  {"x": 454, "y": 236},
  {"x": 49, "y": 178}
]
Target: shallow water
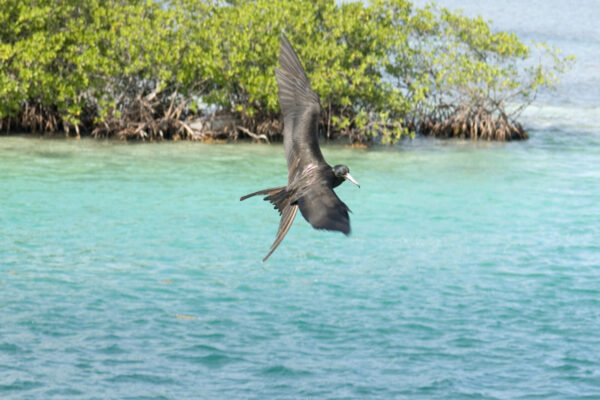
[
  {"x": 133, "y": 271},
  {"x": 571, "y": 26},
  {"x": 473, "y": 270}
]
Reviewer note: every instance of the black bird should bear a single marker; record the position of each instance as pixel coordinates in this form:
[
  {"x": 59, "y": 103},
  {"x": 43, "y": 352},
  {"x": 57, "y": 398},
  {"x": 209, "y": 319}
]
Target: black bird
[{"x": 310, "y": 179}]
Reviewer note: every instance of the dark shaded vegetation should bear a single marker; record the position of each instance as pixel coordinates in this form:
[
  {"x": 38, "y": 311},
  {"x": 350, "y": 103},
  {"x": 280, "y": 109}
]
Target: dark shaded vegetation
[{"x": 203, "y": 70}]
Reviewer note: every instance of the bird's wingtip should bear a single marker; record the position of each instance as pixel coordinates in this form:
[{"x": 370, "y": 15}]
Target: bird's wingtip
[{"x": 284, "y": 39}]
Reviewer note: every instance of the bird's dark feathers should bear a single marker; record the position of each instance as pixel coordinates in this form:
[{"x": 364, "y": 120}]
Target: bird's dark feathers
[
  {"x": 310, "y": 179},
  {"x": 287, "y": 217},
  {"x": 301, "y": 111},
  {"x": 261, "y": 192},
  {"x": 324, "y": 210},
  {"x": 277, "y": 196}
]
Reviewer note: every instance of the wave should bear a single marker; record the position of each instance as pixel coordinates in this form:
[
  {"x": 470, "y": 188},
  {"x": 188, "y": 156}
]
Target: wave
[{"x": 562, "y": 117}]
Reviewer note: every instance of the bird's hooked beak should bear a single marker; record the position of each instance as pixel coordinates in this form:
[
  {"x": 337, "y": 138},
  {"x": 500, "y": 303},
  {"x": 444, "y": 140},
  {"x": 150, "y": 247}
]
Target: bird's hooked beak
[{"x": 351, "y": 179}]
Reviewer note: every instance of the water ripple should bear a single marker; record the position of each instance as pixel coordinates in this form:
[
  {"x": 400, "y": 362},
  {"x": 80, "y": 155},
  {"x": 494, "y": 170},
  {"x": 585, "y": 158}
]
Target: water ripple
[{"x": 472, "y": 272}]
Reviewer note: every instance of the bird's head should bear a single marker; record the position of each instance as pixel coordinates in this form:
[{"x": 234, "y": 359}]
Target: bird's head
[{"x": 342, "y": 172}]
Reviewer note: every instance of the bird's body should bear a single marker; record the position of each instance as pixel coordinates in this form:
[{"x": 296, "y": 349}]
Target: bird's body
[{"x": 310, "y": 178}]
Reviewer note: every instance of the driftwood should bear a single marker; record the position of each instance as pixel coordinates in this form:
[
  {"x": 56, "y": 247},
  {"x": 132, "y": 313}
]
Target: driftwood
[{"x": 254, "y": 135}]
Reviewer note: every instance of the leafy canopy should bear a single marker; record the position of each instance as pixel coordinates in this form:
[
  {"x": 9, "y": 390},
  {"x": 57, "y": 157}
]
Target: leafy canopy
[{"x": 381, "y": 68}]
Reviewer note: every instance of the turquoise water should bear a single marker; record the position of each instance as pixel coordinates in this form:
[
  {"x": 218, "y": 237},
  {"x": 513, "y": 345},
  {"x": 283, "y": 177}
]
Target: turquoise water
[{"x": 133, "y": 271}]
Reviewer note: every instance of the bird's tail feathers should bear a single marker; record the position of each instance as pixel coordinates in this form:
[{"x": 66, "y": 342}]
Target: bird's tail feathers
[
  {"x": 277, "y": 196},
  {"x": 280, "y": 199},
  {"x": 262, "y": 192},
  {"x": 287, "y": 217}
]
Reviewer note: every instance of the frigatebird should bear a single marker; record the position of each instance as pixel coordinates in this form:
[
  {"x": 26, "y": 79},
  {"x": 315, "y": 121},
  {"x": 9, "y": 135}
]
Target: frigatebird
[{"x": 310, "y": 179}]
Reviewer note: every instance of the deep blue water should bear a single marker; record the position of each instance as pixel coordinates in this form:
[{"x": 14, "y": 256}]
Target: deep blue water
[{"x": 473, "y": 270}]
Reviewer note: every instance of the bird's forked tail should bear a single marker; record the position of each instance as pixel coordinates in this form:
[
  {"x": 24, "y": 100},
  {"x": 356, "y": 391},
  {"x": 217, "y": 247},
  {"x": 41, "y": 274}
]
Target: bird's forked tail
[
  {"x": 277, "y": 196},
  {"x": 280, "y": 198}
]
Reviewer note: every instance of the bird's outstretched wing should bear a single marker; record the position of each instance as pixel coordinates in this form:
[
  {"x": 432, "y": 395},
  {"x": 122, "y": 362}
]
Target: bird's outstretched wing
[
  {"x": 321, "y": 207},
  {"x": 287, "y": 217},
  {"x": 301, "y": 110}
]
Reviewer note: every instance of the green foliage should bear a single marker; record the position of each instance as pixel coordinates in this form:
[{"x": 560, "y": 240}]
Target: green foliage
[
  {"x": 114, "y": 66},
  {"x": 463, "y": 61}
]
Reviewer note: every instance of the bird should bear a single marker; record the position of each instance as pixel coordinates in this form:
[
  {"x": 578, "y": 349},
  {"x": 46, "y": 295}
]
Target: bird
[{"x": 311, "y": 179}]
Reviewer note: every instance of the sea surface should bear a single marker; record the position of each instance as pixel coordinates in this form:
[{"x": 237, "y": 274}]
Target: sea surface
[{"x": 132, "y": 271}]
